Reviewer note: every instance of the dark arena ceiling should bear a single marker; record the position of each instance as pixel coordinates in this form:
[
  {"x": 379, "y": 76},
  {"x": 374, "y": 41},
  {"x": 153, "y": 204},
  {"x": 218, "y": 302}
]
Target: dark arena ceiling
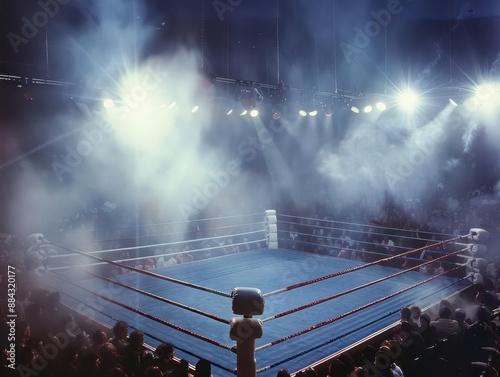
[{"x": 61, "y": 58}]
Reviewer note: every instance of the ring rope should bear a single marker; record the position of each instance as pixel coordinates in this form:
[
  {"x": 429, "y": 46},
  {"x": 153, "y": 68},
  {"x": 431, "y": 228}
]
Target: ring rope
[
  {"x": 150, "y": 316},
  {"x": 187, "y": 232},
  {"x": 149, "y": 273},
  {"x": 160, "y": 244},
  {"x": 275, "y": 364},
  {"x": 192, "y": 354},
  {"x": 154, "y": 234},
  {"x": 179, "y": 347},
  {"x": 347, "y": 333},
  {"x": 331, "y": 320},
  {"x": 325, "y": 299},
  {"x": 149, "y": 256},
  {"x": 349, "y": 270},
  {"x": 355, "y": 224},
  {"x": 156, "y": 297}
]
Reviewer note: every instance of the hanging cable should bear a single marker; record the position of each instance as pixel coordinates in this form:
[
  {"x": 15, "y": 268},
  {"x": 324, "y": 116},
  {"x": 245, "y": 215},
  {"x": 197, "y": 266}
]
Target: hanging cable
[
  {"x": 47, "y": 73},
  {"x": 277, "y": 42},
  {"x": 449, "y": 41},
  {"x": 202, "y": 34},
  {"x": 335, "y": 47}
]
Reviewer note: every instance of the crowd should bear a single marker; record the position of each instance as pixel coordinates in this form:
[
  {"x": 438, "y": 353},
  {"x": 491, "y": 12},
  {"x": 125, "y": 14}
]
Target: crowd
[
  {"x": 460, "y": 339},
  {"x": 50, "y": 343}
]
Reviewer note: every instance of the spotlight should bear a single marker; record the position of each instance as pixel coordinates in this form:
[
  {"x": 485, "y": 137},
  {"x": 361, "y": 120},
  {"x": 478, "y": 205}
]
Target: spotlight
[
  {"x": 278, "y": 99},
  {"x": 355, "y": 109},
  {"x": 107, "y": 103},
  {"x": 254, "y": 113},
  {"x": 488, "y": 96},
  {"x": 195, "y": 109},
  {"x": 381, "y": 106},
  {"x": 244, "y": 112},
  {"x": 230, "y": 111},
  {"x": 453, "y": 102},
  {"x": 302, "y": 113},
  {"x": 276, "y": 114},
  {"x": 249, "y": 97},
  {"x": 313, "y": 113},
  {"x": 408, "y": 99},
  {"x": 172, "y": 105},
  {"x": 328, "y": 110},
  {"x": 368, "y": 109}
]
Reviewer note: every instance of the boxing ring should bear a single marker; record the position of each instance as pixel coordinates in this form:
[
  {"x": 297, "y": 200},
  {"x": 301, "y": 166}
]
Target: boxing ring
[{"x": 316, "y": 304}]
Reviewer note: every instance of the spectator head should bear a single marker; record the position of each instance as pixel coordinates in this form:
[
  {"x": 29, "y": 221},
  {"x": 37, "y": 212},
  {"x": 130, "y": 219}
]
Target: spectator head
[
  {"x": 82, "y": 337},
  {"x": 283, "y": 373},
  {"x": 99, "y": 337},
  {"x": 347, "y": 361},
  {"x": 310, "y": 372},
  {"x": 108, "y": 351},
  {"x": 460, "y": 315},
  {"x": 136, "y": 338},
  {"x": 416, "y": 312},
  {"x": 405, "y": 314},
  {"x": 425, "y": 318},
  {"x": 337, "y": 369},
  {"x": 203, "y": 368},
  {"x": 483, "y": 314},
  {"x": 120, "y": 330},
  {"x": 165, "y": 351},
  {"x": 53, "y": 299},
  {"x": 153, "y": 371},
  {"x": 445, "y": 312}
]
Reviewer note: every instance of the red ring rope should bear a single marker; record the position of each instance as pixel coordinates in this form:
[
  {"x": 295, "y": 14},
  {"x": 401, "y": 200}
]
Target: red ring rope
[
  {"x": 149, "y": 273},
  {"x": 152, "y": 317},
  {"x": 320, "y": 301},
  {"x": 163, "y": 299},
  {"x": 349, "y": 270},
  {"x": 331, "y": 320}
]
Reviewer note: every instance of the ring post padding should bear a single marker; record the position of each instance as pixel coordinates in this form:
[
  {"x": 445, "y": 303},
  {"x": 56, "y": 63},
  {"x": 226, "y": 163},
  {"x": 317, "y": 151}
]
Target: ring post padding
[
  {"x": 477, "y": 234},
  {"x": 273, "y": 237},
  {"x": 247, "y": 302},
  {"x": 272, "y": 229},
  {"x": 272, "y": 245}
]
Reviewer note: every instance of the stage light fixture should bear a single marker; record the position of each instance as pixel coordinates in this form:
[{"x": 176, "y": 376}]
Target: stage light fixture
[
  {"x": 408, "y": 99},
  {"x": 108, "y": 103},
  {"x": 453, "y": 102},
  {"x": 302, "y": 113},
  {"x": 172, "y": 105},
  {"x": 277, "y": 98},
  {"x": 313, "y": 113},
  {"x": 355, "y": 109},
  {"x": 229, "y": 112},
  {"x": 254, "y": 113},
  {"x": 276, "y": 114},
  {"x": 244, "y": 112},
  {"x": 368, "y": 109},
  {"x": 248, "y": 97},
  {"x": 381, "y": 106},
  {"x": 328, "y": 110},
  {"x": 195, "y": 109}
]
